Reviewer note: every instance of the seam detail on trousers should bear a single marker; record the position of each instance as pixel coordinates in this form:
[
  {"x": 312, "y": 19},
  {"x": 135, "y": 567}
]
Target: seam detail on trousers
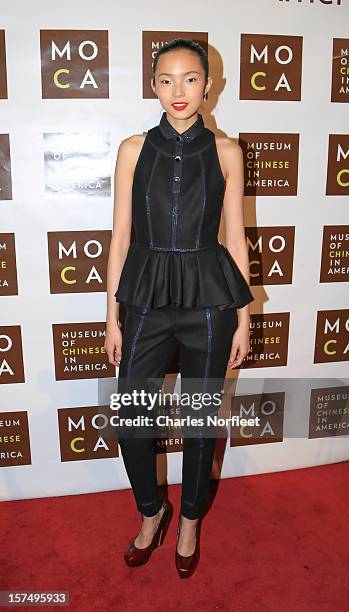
[
  {"x": 198, "y": 475},
  {"x": 209, "y": 344},
  {"x": 149, "y": 503},
  {"x": 134, "y": 342}
]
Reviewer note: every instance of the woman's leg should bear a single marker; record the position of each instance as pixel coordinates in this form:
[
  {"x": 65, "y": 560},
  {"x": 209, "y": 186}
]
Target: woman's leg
[
  {"x": 148, "y": 347},
  {"x": 205, "y": 338}
]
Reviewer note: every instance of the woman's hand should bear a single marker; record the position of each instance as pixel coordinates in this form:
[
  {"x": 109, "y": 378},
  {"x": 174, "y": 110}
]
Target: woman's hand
[
  {"x": 240, "y": 346},
  {"x": 113, "y": 343}
]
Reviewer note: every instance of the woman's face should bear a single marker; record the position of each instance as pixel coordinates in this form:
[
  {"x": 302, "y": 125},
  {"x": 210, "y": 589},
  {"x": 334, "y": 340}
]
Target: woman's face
[{"x": 180, "y": 77}]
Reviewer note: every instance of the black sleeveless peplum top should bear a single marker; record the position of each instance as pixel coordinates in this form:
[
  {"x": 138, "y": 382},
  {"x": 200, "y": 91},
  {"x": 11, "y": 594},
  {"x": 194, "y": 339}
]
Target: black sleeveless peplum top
[{"x": 177, "y": 197}]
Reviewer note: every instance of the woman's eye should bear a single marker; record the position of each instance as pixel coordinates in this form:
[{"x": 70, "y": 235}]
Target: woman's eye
[{"x": 166, "y": 81}]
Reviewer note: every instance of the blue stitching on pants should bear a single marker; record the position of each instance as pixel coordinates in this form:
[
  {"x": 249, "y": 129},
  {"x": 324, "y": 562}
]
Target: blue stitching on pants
[
  {"x": 209, "y": 343},
  {"x": 149, "y": 503},
  {"x": 201, "y": 450},
  {"x": 134, "y": 342},
  {"x": 201, "y": 440}
]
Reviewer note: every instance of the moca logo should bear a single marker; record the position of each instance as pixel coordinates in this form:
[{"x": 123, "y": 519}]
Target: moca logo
[
  {"x": 11, "y": 355},
  {"x": 8, "y": 266},
  {"x": 332, "y": 336},
  {"x": 85, "y": 433},
  {"x": 338, "y": 165},
  {"x": 328, "y": 412},
  {"x": 335, "y": 254},
  {"x": 78, "y": 260},
  {"x": 270, "y": 67},
  {"x": 271, "y": 254},
  {"x": 77, "y": 164},
  {"x": 79, "y": 351},
  {"x": 74, "y": 63},
  {"x": 269, "y": 340},
  {"x": 269, "y": 408},
  {"x": 340, "y": 70},
  {"x": 14, "y": 439},
  {"x": 271, "y": 163}
]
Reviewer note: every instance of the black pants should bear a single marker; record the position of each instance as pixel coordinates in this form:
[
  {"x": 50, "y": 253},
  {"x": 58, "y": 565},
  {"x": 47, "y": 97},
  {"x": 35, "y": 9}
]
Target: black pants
[{"x": 150, "y": 340}]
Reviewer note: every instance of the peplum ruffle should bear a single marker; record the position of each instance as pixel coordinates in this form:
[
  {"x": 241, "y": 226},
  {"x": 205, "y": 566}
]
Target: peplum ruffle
[{"x": 191, "y": 279}]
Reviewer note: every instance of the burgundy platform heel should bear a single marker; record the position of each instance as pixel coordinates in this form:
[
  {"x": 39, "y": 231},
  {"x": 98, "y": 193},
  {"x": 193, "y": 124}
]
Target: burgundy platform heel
[
  {"x": 186, "y": 566},
  {"x": 139, "y": 556}
]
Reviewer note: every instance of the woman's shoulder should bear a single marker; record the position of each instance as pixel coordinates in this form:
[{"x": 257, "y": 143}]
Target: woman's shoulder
[
  {"x": 133, "y": 141},
  {"x": 229, "y": 149},
  {"x": 229, "y": 153},
  {"x": 131, "y": 146},
  {"x": 227, "y": 144}
]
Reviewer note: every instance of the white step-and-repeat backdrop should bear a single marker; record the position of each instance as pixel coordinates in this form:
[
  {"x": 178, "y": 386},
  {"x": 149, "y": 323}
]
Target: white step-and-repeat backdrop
[{"x": 74, "y": 81}]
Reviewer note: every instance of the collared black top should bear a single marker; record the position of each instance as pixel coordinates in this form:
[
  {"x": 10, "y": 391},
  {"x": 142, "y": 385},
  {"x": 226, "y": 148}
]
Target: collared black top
[{"x": 177, "y": 197}]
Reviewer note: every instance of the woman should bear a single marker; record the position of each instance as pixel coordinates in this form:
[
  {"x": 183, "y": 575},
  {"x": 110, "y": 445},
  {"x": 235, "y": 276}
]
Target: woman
[{"x": 180, "y": 286}]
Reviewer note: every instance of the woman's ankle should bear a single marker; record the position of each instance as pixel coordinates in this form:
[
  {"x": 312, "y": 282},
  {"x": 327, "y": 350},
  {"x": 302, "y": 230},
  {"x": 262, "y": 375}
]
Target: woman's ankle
[
  {"x": 155, "y": 516},
  {"x": 188, "y": 521}
]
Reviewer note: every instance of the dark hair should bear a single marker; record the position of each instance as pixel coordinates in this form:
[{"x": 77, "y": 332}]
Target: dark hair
[{"x": 183, "y": 43}]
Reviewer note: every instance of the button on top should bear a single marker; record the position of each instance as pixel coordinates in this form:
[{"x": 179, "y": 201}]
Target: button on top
[
  {"x": 178, "y": 158},
  {"x": 176, "y": 178},
  {"x": 178, "y": 138}
]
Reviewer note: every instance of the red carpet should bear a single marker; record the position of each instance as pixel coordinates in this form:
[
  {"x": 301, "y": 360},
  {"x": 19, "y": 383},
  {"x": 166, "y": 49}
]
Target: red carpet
[{"x": 271, "y": 542}]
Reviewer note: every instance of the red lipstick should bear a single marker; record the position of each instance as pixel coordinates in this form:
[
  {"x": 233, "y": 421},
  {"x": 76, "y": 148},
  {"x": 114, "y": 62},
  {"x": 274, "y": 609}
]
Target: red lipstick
[{"x": 179, "y": 105}]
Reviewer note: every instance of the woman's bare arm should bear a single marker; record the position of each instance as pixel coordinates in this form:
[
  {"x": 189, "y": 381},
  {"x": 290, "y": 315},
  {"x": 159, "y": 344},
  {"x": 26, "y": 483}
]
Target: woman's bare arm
[
  {"x": 122, "y": 220},
  {"x": 232, "y": 165}
]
